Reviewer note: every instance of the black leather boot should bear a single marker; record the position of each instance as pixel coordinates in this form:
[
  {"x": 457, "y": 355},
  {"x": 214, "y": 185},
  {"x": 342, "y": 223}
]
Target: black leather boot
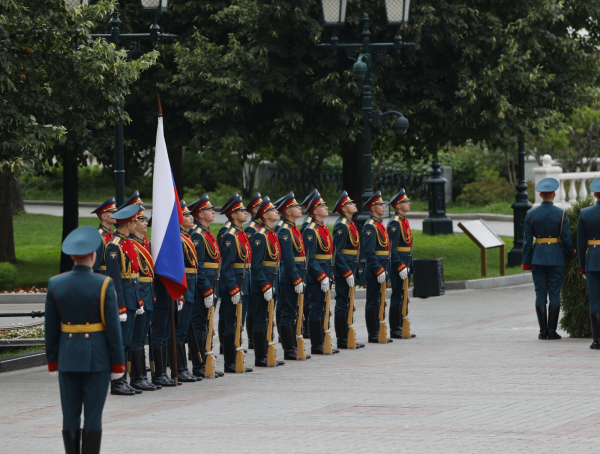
[
  {"x": 372, "y": 320},
  {"x": 395, "y": 318},
  {"x": 595, "y": 319},
  {"x": 315, "y": 327},
  {"x": 182, "y": 365},
  {"x": 260, "y": 348},
  {"x": 198, "y": 368},
  {"x": 341, "y": 331},
  {"x": 542, "y": 321},
  {"x": 91, "y": 441},
  {"x": 159, "y": 377},
  {"x": 147, "y": 369},
  {"x": 72, "y": 441},
  {"x": 220, "y": 331},
  {"x": 138, "y": 370},
  {"x": 120, "y": 388},
  {"x": 249, "y": 325},
  {"x": 288, "y": 336},
  {"x": 553, "y": 314}
]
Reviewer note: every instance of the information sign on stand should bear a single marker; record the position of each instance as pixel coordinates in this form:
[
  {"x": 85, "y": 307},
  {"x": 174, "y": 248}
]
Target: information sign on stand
[{"x": 486, "y": 239}]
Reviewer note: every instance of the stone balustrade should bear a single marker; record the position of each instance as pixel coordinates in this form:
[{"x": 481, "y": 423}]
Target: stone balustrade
[{"x": 578, "y": 182}]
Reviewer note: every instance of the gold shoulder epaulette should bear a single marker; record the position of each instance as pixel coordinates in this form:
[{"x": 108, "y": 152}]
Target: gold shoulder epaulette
[
  {"x": 261, "y": 230},
  {"x": 371, "y": 222},
  {"x": 116, "y": 240},
  {"x": 311, "y": 226},
  {"x": 286, "y": 226},
  {"x": 232, "y": 231},
  {"x": 344, "y": 221}
]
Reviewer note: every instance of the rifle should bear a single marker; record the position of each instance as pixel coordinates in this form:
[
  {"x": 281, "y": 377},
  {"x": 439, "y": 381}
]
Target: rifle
[
  {"x": 239, "y": 352},
  {"x": 351, "y": 330},
  {"x": 32, "y": 314},
  {"x": 382, "y": 325},
  {"x": 327, "y": 346},
  {"x": 300, "y": 354},
  {"x": 209, "y": 369},
  {"x": 405, "y": 321},
  {"x": 271, "y": 358}
]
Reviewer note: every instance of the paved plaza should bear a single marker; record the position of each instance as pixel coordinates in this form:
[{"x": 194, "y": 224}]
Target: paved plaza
[{"x": 475, "y": 380}]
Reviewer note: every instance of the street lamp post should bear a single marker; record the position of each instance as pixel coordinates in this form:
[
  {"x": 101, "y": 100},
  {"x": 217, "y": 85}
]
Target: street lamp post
[
  {"x": 520, "y": 208},
  {"x": 132, "y": 41},
  {"x": 437, "y": 223},
  {"x": 334, "y": 15}
]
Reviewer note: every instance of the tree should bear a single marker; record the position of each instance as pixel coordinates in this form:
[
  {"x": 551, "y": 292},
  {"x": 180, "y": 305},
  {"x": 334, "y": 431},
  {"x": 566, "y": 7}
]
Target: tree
[{"x": 58, "y": 83}]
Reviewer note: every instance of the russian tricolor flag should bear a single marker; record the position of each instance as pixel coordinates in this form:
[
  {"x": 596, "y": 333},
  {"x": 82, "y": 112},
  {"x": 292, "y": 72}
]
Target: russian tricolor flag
[{"x": 167, "y": 252}]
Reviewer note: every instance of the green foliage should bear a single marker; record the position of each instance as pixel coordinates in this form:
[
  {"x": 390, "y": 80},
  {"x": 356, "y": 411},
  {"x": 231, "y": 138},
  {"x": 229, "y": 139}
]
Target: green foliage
[
  {"x": 8, "y": 276},
  {"x": 210, "y": 168},
  {"x": 573, "y": 294},
  {"x": 56, "y": 79},
  {"x": 491, "y": 189}
]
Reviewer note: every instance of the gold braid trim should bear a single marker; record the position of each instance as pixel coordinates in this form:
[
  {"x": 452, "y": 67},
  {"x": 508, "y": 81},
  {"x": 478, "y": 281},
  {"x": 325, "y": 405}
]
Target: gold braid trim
[
  {"x": 353, "y": 241},
  {"x": 324, "y": 248},
  {"x": 274, "y": 256},
  {"x": 298, "y": 247},
  {"x": 405, "y": 236},
  {"x": 212, "y": 254},
  {"x": 190, "y": 254},
  {"x": 383, "y": 241}
]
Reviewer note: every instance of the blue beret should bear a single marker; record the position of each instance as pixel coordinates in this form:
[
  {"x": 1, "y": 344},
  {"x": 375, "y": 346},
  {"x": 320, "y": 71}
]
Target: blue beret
[
  {"x": 129, "y": 213},
  {"x": 595, "y": 185},
  {"x": 82, "y": 241},
  {"x": 547, "y": 185}
]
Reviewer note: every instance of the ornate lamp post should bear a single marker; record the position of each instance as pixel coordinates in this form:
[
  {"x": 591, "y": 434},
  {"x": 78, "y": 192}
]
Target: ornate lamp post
[
  {"x": 334, "y": 16},
  {"x": 437, "y": 223},
  {"x": 131, "y": 41},
  {"x": 520, "y": 208}
]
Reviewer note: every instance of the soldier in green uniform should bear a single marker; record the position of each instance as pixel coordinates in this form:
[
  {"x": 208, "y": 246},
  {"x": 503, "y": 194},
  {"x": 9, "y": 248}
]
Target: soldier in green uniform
[
  {"x": 123, "y": 267},
  {"x": 376, "y": 245},
  {"x": 251, "y": 228},
  {"x": 104, "y": 211},
  {"x": 401, "y": 259},
  {"x": 346, "y": 240},
  {"x": 84, "y": 347}
]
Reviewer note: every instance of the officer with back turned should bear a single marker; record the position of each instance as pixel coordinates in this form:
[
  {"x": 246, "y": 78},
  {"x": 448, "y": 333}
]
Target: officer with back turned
[
  {"x": 588, "y": 244},
  {"x": 83, "y": 341},
  {"x": 549, "y": 225}
]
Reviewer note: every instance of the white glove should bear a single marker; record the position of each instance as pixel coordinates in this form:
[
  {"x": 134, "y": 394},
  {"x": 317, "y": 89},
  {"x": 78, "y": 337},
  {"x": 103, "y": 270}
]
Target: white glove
[
  {"x": 237, "y": 298},
  {"x": 299, "y": 288},
  {"x": 179, "y": 304},
  {"x": 404, "y": 273},
  {"x": 584, "y": 276},
  {"x": 123, "y": 317},
  {"x": 381, "y": 278},
  {"x": 116, "y": 376},
  {"x": 268, "y": 294},
  {"x": 54, "y": 374},
  {"x": 140, "y": 311},
  {"x": 350, "y": 280},
  {"x": 208, "y": 301},
  {"x": 325, "y": 285}
]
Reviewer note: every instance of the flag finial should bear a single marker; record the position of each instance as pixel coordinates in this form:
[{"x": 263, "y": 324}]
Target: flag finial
[{"x": 159, "y": 107}]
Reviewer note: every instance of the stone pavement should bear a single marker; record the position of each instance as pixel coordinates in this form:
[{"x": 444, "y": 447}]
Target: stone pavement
[{"x": 475, "y": 380}]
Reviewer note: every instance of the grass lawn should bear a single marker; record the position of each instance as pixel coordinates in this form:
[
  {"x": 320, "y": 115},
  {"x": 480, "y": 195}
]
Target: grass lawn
[{"x": 38, "y": 239}]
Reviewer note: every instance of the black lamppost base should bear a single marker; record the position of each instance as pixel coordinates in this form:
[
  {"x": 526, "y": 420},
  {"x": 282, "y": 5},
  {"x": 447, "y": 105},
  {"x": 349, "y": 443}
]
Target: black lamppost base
[{"x": 437, "y": 226}]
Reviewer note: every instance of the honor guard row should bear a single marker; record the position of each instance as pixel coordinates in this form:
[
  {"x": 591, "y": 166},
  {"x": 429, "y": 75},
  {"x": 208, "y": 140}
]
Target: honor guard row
[{"x": 548, "y": 225}]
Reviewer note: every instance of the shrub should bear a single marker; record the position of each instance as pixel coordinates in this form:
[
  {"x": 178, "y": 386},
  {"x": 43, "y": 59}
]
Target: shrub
[
  {"x": 487, "y": 191},
  {"x": 573, "y": 294},
  {"x": 8, "y": 276}
]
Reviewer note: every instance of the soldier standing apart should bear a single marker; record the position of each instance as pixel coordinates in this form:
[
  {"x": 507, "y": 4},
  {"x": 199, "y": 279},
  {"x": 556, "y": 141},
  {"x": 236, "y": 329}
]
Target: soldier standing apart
[
  {"x": 266, "y": 254},
  {"x": 144, "y": 316},
  {"x": 376, "y": 244},
  {"x": 123, "y": 267},
  {"x": 209, "y": 258},
  {"x": 251, "y": 228},
  {"x": 402, "y": 263},
  {"x": 345, "y": 240},
  {"x": 319, "y": 254},
  {"x": 293, "y": 269},
  {"x": 189, "y": 298},
  {"x": 83, "y": 341},
  {"x": 550, "y": 227},
  {"x": 235, "y": 261},
  {"x": 104, "y": 212},
  {"x": 588, "y": 240}
]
